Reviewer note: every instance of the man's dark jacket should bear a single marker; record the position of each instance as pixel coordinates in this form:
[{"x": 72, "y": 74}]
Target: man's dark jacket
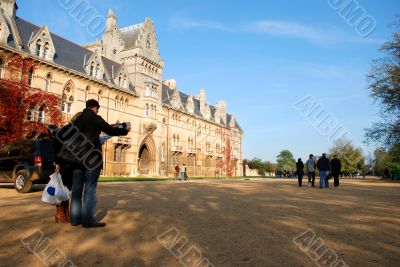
[
  {"x": 91, "y": 125},
  {"x": 336, "y": 166},
  {"x": 323, "y": 164}
]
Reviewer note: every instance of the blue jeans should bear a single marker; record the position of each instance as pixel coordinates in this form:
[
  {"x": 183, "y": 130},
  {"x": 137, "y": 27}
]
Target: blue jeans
[
  {"x": 323, "y": 177},
  {"x": 84, "y": 209}
]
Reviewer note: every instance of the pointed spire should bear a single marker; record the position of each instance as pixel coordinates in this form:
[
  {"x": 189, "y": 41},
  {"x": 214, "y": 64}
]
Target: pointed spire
[
  {"x": 111, "y": 14},
  {"x": 111, "y": 20}
]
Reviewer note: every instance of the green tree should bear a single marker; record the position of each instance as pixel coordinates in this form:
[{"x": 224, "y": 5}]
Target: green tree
[
  {"x": 269, "y": 167},
  {"x": 386, "y": 159},
  {"x": 384, "y": 83},
  {"x": 257, "y": 164},
  {"x": 352, "y": 157},
  {"x": 286, "y": 161}
]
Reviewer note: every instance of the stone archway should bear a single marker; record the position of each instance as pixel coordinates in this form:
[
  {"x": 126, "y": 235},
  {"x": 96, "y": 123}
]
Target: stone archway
[{"x": 147, "y": 157}]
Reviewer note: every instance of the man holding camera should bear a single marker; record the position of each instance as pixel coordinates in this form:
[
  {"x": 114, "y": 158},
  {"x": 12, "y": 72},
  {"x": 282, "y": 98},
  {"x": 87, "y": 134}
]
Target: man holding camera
[{"x": 85, "y": 177}]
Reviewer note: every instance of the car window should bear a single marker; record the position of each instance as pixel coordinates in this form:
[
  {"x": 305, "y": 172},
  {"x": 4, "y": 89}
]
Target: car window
[{"x": 14, "y": 152}]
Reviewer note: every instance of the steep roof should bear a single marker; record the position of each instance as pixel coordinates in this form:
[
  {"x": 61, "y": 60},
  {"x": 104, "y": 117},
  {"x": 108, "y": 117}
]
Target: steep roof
[
  {"x": 166, "y": 99},
  {"x": 130, "y": 34},
  {"x": 68, "y": 54}
]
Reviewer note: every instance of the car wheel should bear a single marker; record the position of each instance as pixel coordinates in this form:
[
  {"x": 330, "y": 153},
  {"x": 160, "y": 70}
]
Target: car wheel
[{"x": 22, "y": 183}]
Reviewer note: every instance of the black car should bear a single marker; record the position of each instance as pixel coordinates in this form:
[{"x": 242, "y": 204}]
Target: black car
[{"x": 26, "y": 163}]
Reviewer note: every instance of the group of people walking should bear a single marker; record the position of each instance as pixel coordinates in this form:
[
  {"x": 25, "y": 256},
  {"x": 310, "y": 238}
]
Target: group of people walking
[
  {"x": 80, "y": 178},
  {"x": 181, "y": 172},
  {"x": 327, "y": 168}
]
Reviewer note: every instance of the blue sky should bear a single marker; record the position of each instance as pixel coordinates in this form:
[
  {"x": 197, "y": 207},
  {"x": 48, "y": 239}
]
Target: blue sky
[{"x": 259, "y": 56}]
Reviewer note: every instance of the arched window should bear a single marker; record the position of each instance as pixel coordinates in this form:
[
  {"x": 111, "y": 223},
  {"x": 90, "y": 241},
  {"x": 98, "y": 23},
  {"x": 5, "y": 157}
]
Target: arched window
[
  {"x": 126, "y": 104},
  {"x": 147, "y": 111},
  {"x": 69, "y": 104},
  {"x": 125, "y": 83},
  {"x": 116, "y": 103},
  {"x": 30, "y": 77},
  {"x": 1, "y": 68},
  {"x": 91, "y": 72},
  {"x": 147, "y": 91},
  {"x": 31, "y": 114},
  {"x": 38, "y": 48},
  {"x": 97, "y": 74},
  {"x": 46, "y": 51},
  {"x": 64, "y": 103},
  {"x": 99, "y": 95},
  {"x": 121, "y": 103},
  {"x": 47, "y": 82},
  {"x": 87, "y": 93},
  {"x": 41, "y": 115}
]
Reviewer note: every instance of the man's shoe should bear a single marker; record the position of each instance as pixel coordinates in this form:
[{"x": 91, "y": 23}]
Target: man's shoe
[{"x": 95, "y": 225}]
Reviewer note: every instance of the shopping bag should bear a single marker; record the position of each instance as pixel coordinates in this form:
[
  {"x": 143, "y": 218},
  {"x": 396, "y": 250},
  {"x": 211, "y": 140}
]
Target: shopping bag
[{"x": 55, "y": 191}]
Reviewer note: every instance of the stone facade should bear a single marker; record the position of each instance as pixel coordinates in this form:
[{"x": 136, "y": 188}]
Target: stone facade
[{"x": 124, "y": 71}]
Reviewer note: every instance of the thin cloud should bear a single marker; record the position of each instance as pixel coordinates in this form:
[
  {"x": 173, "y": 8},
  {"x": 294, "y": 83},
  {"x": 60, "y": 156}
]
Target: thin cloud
[
  {"x": 185, "y": 23},
  {"x": 286, "y": 29},
  {"x": 280, "y": 28}
]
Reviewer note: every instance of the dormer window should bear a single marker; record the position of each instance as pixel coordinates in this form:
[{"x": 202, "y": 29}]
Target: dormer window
[
  {"x": 97, "y": 74},
  {"x": 38, "y": 48},
  {"x": 46, "y": 51},
  {"x": 91, "y": 72},
  {"x": 125, "y": 83}
]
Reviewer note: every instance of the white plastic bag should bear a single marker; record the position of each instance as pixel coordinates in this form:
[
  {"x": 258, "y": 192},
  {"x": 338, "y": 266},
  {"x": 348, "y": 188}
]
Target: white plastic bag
[{"x": 55, "y": 191}]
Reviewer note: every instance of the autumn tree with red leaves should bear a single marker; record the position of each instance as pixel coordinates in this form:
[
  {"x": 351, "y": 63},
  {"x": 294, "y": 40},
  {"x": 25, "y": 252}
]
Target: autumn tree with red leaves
[{"x": 17, "y": 97}]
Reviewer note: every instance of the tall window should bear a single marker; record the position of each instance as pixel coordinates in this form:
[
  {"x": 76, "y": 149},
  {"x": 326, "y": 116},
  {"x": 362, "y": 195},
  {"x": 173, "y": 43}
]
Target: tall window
[
  {"x": 47, "y": 82},
  {"x": 38, "y": 48},
  {"x": 97, "y": 74},
  {"x": 31, "y": 114},
  {"x": 41, "y": 114},
  {"x": 147, "y": 111},
  {"x": 147, "y": 91},
  {"x": 69, "y": 104},
  {"x": 116, "y": 102},
  {"x": 64, "y": 103},
  {"x": 30, "y": 77},
  {"x": 126, "y": 104},
  {"x": 99, "y": 96},
  {"x": 116, "y": 154},
  {"x": 87, "y": 93},
  {"x": 46, "y": 51},
  {"x": 125, "y": 83},
  {"x": 1, "y": 68},
  {"x": 91, "y": 69}
]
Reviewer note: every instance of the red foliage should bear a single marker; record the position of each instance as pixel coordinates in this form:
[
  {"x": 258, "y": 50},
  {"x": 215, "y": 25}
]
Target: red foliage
[{"x": 17, "y": 97}]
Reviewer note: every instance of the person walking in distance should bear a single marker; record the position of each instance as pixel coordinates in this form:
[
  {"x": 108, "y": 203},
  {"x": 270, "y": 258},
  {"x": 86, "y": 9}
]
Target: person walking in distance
[
  {"x": 324, "y": 167},
  {"x": 311, "y": 166},
  {"x": 300, "y": 171},
  {"x": 184, "y": 174},
  {"x": 177, "y": 171},
  {"x": 336, "y": 170},
  {"x": 85, "y": 178}
]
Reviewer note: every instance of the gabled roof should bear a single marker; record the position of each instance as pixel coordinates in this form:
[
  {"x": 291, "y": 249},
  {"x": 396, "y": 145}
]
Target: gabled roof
[
  {"x": 68, "y": 54},
  {"x": 166, "y": 99}
]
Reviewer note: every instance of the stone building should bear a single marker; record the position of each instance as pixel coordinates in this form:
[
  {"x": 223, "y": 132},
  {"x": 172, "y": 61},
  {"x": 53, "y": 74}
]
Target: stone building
[{"x": 124, "y": 72}]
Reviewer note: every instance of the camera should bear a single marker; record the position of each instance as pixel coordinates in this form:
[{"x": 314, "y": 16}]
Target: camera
[{"x": 124, "y": 125}]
